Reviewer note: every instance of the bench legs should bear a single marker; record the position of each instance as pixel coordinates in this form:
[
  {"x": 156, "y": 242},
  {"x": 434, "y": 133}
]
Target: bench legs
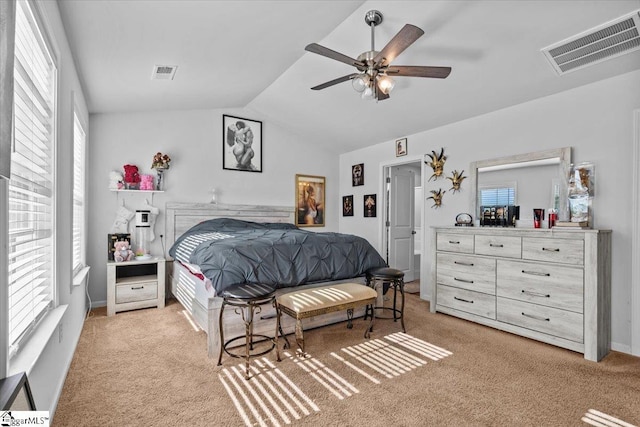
[
  {"x": 300, "y": 335},
  {"x": 350, "y": 318}
]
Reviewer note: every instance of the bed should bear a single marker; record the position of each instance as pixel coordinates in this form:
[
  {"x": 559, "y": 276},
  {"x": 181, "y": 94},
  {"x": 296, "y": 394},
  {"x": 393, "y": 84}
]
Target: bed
[{"x": 213, "y": 247}]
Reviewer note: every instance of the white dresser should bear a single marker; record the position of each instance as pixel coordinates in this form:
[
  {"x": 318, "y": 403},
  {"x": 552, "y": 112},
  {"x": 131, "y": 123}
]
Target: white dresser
[{"x": 550, "y": 285}]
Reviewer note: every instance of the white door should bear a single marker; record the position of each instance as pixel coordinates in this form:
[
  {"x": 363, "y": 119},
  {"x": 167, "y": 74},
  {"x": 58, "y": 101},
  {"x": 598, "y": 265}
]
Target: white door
[{"x": 401, "y": 221}]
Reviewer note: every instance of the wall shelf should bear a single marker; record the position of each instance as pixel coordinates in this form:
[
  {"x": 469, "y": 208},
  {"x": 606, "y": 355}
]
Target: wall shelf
[{"x": 136, "y": 191}]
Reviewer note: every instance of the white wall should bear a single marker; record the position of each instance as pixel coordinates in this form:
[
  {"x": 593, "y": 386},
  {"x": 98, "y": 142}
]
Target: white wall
[
  {"x": 47, "y": 374},
  {"x": 193, "y": 140},
  {"x": 596, "y": 120}
]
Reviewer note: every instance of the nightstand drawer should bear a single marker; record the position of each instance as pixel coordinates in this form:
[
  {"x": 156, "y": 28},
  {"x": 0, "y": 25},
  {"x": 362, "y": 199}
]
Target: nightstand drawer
[
  {"x": 468, "y": 301},
  {"x": 455, "y": 243},
  {"x": 136, "y": 292},
  {"x": 504, "y": 246}
]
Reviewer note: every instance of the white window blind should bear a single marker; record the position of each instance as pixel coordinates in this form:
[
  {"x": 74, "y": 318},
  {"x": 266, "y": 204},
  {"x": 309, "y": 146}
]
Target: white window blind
[
  {"x": 79, "y": 143},
  {"x": 31, "y": 202},
  {"x": 499, "y": 196}
]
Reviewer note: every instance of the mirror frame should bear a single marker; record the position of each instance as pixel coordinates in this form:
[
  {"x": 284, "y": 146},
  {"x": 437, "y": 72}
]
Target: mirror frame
[{"x": 562, "y": 154}]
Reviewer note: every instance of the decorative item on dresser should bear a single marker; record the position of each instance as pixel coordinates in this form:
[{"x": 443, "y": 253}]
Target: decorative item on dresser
[{"x": 550, "y": 285}]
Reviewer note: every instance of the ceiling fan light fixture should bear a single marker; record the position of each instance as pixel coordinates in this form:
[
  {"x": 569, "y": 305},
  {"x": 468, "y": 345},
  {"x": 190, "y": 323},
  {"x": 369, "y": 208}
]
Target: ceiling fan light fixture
[
  {"x": 368, "y": 93},
  {"x": 386, "y": 84},
  {"x": 360, "y": 83}
]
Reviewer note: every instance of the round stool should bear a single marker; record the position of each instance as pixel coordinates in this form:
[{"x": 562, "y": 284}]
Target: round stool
[
  {"x": 247, "y": 299},
  {"x": 390, "y": 278}
]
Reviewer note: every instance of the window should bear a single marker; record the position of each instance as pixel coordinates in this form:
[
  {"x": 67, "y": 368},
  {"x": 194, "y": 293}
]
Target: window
[
  {"x": 31, "y": 184},
  {"x": 79, "y": 143},
  {"x": 497, "y": 195}
]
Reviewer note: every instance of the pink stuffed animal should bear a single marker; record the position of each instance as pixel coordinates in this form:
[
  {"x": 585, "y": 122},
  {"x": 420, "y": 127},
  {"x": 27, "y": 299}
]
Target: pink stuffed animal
[{"x": 123, "y": 251}]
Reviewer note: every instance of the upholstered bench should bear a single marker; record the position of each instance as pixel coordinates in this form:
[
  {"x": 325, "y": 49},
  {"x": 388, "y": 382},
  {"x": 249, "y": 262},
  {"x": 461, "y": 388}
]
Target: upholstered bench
[{"x": 322, "y": 300}]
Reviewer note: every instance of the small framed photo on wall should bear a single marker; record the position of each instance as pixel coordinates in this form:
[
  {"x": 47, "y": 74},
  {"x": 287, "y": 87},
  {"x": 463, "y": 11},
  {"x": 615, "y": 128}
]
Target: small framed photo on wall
[
  {"x": 241, "y": 144},
  {"x": 370, "y": 206},
  {"x": 347, "y": 205},
  {"x": 357, "y": 174},
  {"x": 401, "y": 147},
  {"x": 310, "y": 191}
]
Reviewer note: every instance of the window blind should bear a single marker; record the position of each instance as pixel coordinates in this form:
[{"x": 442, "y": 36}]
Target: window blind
[
  {"x": 79, "y": 142},
  {"x": 501, "y": 196},
  {"x": 31, "y": 198}
]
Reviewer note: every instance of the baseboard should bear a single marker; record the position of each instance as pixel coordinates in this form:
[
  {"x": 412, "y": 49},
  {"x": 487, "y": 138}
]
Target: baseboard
[
  {"x": 622, "y": 348},
  {"x": 95, "y": 304}
]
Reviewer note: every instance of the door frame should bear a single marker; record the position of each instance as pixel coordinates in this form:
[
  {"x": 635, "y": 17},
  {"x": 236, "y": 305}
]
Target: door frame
[
  {"x": 635, "y": 240},
  {"x": 385, "y": 168}
]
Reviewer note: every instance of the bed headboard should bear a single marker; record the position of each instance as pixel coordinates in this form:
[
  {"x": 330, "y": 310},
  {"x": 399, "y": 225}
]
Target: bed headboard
[{"x": 182, "y": 216}]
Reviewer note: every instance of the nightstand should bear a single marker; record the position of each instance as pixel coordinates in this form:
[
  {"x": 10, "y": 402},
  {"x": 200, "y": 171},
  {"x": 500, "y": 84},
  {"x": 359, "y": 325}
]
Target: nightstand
[{"x": 135, "y": 284}]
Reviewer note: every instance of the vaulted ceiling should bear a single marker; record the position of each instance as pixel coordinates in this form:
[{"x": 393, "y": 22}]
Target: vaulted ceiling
[{"x": 250, "y": 54}]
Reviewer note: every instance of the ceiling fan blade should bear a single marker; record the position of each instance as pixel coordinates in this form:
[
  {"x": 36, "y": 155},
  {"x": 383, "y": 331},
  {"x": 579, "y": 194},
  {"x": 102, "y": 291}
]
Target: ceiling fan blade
[
  {"x": 417, "y": 71},
  {"x": 332, "y": 54},
  {"x": 335, "y": 81},
  {"x": 405, "y": 38}
]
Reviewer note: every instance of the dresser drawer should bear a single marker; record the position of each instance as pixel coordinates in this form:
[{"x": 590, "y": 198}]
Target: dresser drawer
[
  {"x": 468, "y": 301},
  {"x": 467, "y": 272},
  {"x": 553, "y": 250},
  {"x": 136, "y": 292},
  {"x": 455, "y": 242},
  {"x": 548, "y": 320},
  {"x": 547, "y": 284},
  {"x": 503, "y": 246}
]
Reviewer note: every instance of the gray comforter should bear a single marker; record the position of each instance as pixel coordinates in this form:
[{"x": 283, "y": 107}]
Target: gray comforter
[{"x": 230, "y": 251}]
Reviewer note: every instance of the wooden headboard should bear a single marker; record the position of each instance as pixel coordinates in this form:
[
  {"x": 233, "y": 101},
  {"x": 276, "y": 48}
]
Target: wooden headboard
[{"x": 182, "y": 216}]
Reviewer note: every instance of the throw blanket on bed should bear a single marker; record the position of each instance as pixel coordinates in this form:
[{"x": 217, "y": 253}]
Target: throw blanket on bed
[{"x": 230, "y": 251}]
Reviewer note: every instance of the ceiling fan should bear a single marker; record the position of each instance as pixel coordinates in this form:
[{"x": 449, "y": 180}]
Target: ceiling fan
[{"x": 373, "y": 78}]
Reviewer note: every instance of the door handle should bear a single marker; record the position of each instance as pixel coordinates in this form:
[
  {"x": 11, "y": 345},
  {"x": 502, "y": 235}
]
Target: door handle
[{"x": 413, "y": 231}]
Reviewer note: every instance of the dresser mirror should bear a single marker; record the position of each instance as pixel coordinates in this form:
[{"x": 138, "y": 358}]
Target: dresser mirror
[{"x": 537, "y": 180}]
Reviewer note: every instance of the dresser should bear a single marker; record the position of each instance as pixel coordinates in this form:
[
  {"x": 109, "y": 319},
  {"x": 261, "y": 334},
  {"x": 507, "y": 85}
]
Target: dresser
[{"x": 551, "y": 285}]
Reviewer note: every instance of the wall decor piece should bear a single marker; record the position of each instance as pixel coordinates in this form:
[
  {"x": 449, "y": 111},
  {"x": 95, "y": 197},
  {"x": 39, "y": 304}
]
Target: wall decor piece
[
  {"x": 436, "y": 196},
  {"x": 347, "y": 205},
  {"x": 456, "y": 180},
  {"x": 310, "y": 191},
  {"x": 401, "y": 147},
  {"x": 357, "y": 174},
  {"x": 436, "y": 163},
  {"x": 242, "y": 144},
  {"x": 370, "y": 206}
]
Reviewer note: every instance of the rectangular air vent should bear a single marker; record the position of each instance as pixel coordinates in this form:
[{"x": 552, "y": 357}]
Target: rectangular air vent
[
  {"x": 163, "y": 72},
  {"x": 598, "y": 44}
]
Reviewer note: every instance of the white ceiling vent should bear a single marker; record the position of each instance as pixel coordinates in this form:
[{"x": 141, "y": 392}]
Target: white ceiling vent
[
  {"x": 163, "y": 72},
  {"x": 603, "y": 42}
]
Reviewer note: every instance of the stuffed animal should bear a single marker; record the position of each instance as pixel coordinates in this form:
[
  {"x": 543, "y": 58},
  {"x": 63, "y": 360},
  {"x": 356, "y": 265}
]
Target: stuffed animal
[
  {"x": 115, "y": 180},
  {"x": 123, "y": 251}
]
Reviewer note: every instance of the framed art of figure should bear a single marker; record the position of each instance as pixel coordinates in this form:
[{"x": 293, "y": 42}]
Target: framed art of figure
[
  {"x": 242, "y": 144},
  {"x": 357, "y": 174},
  {"x": 347, "y": 205},
  {"x": 401, "y": 147},
  {"x": 370, "y": 206},
  {"x": 310, "y": 191}
]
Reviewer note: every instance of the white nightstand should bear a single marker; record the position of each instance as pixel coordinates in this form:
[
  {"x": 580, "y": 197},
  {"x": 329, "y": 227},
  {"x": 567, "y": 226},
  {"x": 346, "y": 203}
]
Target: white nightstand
[{"x": 135, "y": 284}]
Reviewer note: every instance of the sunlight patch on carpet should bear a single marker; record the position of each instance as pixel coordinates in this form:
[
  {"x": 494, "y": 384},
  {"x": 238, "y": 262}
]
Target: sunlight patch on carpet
[
  {"x": 600, "y": 419},
  {"x": 355, "y": 368},
  {"x": 419, "y": 346},
  {"x": 190, "y": 320},
  {"x": 383, "y": 358},
  {"x": 269, "y": 398},
  {"x": 324, "y": 375}
]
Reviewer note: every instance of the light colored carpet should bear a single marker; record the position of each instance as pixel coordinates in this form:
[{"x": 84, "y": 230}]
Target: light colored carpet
[{"x": 150, "y": 368}]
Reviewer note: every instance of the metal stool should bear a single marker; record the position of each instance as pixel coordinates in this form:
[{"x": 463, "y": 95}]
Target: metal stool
[
  {"x": 247, "y": 299},
  {"x": 390, "y": 278}
]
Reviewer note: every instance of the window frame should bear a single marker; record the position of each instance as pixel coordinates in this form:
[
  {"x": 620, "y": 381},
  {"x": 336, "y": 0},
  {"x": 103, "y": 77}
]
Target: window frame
[{"x": 77, "y": 118}]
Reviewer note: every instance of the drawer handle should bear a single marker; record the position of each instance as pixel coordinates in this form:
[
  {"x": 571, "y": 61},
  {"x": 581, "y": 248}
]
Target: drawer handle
[
  {"x": 531, "y": 316},
  {"x": 135, "y": 288},
  {"x": 536, "y": 273},
  {"x": 453, "y": 242},
  {"x": 551, "y": 249},
  {"x": 468, "y": 264},
  {"x": 463, "y": 280},
  {"x": 536, "y": 294},
  {"x": 496, "y": 246},
  {"x": 463, "y": 300}
]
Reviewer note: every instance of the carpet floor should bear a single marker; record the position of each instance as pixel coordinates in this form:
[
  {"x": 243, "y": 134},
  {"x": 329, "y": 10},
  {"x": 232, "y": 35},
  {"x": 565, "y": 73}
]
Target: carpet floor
[{"x": 150, "y": 368}]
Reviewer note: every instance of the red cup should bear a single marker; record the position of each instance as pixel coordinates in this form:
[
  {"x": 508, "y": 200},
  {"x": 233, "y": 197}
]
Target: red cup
[{"x": 553, "y": 217}]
